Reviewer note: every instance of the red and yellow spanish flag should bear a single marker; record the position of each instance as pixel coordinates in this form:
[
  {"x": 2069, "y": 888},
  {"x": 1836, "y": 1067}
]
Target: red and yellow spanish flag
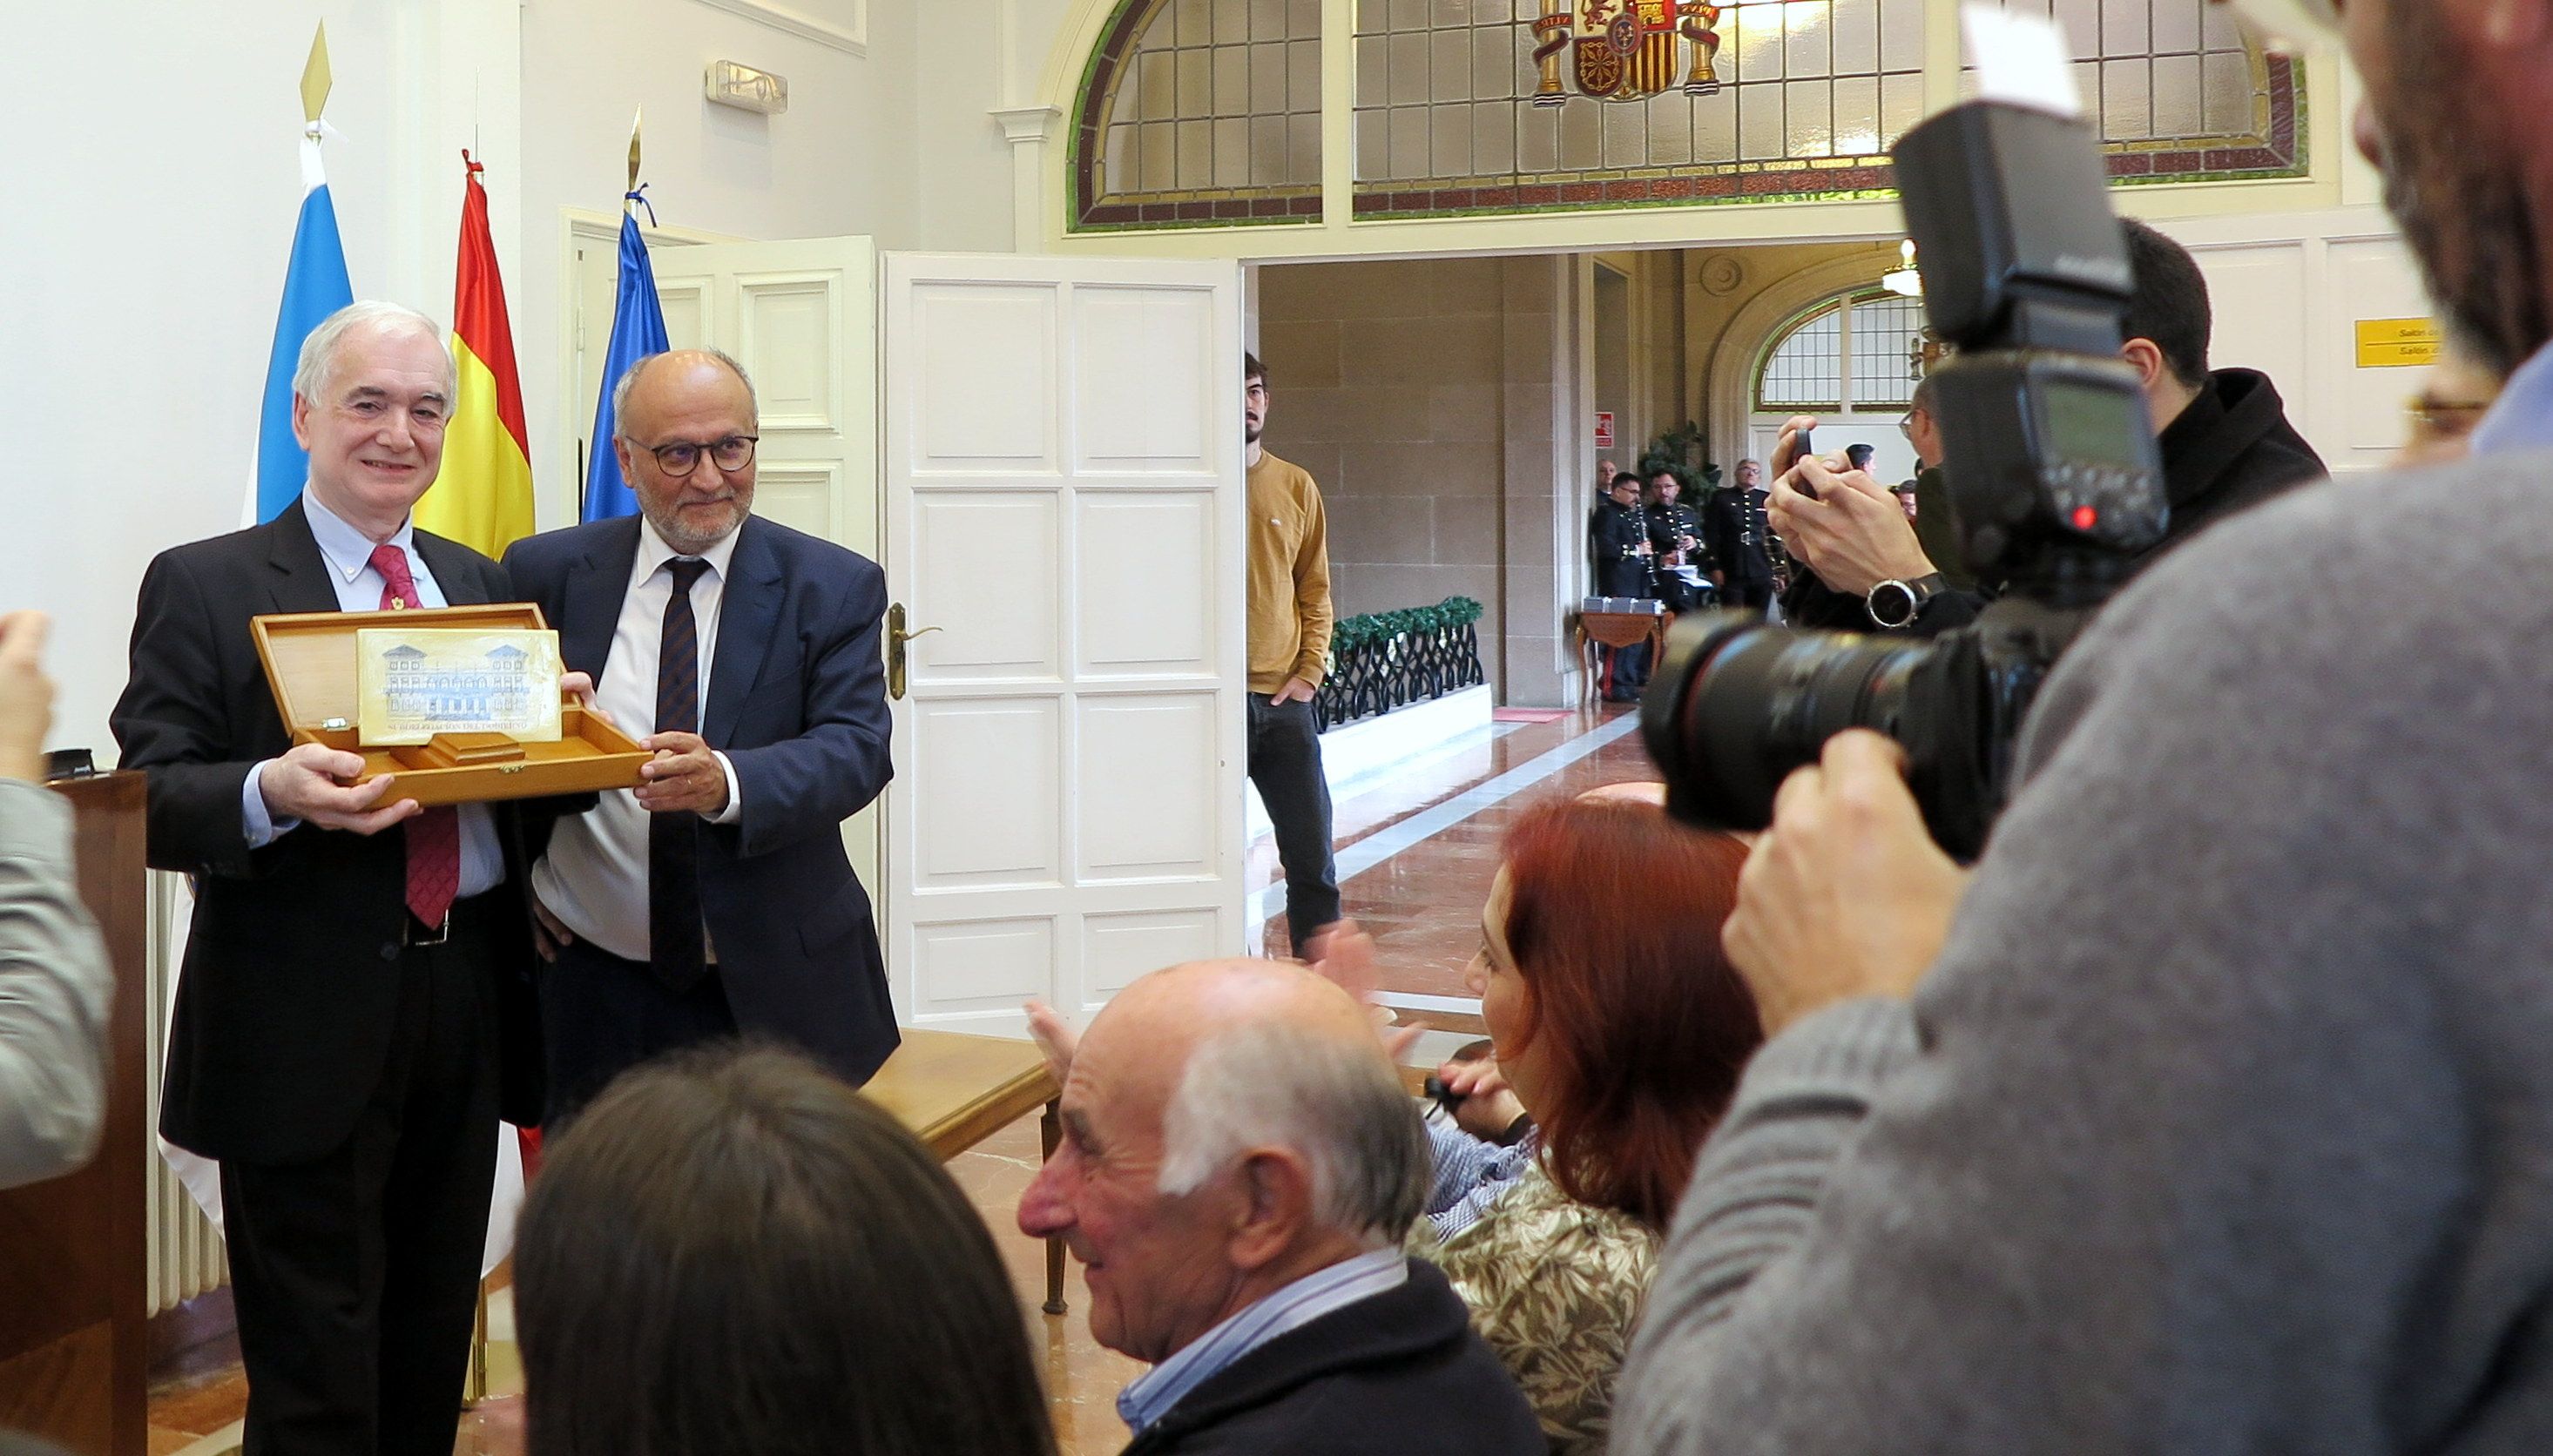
[{"x": 483, "y": 497}]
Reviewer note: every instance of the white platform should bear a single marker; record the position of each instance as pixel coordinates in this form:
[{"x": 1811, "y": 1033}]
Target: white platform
[{"x": 1361, "y": 755}]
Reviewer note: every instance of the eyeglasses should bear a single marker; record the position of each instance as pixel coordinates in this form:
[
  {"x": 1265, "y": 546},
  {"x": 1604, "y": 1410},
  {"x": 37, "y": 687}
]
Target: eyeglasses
[
  {"x": 1906, "y": 426},
  {"x": 682, "y": 457}
]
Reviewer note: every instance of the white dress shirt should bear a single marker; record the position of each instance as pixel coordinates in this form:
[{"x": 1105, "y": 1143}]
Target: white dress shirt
[
  {"x": 347, "y": 553},
  {"x": 594, "y": 876}
]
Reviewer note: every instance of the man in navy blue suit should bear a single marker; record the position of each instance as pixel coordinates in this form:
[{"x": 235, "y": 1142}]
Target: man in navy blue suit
[{"x": 715, "y": 899}]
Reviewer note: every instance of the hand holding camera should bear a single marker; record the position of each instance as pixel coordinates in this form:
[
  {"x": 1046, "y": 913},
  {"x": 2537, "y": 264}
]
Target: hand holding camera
[
  {"x": 1846, "y": 895},
  {"x": 1846, "y": 525}
]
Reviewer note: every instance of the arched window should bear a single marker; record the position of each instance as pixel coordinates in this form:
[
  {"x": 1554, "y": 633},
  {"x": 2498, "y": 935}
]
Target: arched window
[
  {"x": 1210, "y": 111},
  {"x": 1858, "y": 352},
  {"x": 1201, "y": 111}
]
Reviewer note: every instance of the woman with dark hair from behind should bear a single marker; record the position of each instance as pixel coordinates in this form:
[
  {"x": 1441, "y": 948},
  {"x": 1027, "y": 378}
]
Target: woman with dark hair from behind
[
  {"x": 732, "y": 1251},
  {"x": 1622, "y": 1029}
]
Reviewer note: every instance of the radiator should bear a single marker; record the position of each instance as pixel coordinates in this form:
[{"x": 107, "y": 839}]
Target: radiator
[{"x": 186, "y": 1250}]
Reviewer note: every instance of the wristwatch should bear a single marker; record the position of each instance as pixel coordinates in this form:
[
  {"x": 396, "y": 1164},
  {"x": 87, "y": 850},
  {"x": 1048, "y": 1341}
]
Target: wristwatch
[{"x": 1893, "y": 604}]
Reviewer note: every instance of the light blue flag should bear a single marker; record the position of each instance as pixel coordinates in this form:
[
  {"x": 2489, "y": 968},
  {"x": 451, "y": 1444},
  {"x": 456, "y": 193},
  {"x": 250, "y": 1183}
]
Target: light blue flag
[
  {"x": 314, "y": 286},
  {"x": 638, "y": 330}
]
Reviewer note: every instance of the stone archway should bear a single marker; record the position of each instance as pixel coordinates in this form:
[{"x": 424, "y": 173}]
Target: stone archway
[{"x": 1728, "y": 385}]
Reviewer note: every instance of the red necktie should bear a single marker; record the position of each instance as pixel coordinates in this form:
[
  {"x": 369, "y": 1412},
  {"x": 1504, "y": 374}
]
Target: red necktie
[{"x": 434, "y": 836}]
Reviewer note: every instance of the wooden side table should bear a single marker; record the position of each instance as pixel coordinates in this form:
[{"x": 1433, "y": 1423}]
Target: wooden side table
[
  {"x": 953, "y": 1090},
  {"x": 1618, "y": 629}
]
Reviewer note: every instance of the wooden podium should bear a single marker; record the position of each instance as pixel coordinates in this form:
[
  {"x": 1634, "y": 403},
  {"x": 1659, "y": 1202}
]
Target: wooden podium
[{"x": 74, "y": 1260}]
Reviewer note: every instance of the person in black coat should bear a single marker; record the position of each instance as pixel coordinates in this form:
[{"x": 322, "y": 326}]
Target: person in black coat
[
  {"x": 1676, "y": 541},
  {"x": 2224, "y": 437},
  {"x": 1619, "y": 540},
  {"x": 354, "y": 1009},
  {"x": 1626, "y": 566},
  {"x": 1240, "y": 1166},
  {"x": 1739, "y": 537}
]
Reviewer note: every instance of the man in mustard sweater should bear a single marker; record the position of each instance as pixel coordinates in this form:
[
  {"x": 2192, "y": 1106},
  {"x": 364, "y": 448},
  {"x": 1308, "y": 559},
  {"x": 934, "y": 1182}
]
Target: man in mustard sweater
[{"x": 1290, "y": 647}]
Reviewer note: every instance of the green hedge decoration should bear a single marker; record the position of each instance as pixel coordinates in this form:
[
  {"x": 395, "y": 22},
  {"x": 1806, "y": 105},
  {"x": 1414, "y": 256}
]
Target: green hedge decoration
[{"x": 1353, "y": 633}]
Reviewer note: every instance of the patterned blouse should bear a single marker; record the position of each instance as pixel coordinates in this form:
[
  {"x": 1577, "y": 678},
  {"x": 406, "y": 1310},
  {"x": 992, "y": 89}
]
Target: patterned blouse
[{"x": 1555, "y": 1287}]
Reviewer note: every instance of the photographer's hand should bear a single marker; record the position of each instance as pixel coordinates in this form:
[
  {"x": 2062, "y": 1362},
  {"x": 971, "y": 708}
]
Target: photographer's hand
[
  {"x": 1786, "y": 446},
  {"x": 1854, "y": 534},
  {"x": 1846, "y": 895}
]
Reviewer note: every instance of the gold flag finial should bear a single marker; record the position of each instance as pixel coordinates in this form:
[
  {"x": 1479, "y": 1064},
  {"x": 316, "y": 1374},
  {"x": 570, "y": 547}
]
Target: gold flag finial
[
  {"x": 315, "y": 79},
  {"x": 634, "y": 118}
]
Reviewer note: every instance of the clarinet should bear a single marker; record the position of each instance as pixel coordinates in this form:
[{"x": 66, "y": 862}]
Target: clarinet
[{"x": 1650, "y": 560}]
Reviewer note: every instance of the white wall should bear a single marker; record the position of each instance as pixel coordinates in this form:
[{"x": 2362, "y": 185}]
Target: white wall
[
  {"x": 840, "y": 161},
  {"x": 152, "y": 213}
]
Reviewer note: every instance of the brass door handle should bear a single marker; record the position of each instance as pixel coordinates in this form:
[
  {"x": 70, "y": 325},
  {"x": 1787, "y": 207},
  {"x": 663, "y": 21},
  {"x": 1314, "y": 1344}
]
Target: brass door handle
[{"x": 896, "y": 637}]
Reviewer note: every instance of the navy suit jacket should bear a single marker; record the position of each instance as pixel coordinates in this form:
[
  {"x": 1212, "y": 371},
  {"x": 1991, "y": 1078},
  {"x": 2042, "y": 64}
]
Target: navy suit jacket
[{"x": 798, "y": 704}]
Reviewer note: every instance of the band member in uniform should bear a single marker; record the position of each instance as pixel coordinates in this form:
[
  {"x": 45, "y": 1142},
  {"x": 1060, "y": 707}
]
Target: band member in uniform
[
  {"x": 1675, "y": 538},
  {"x": 1626, "y": 565},
  {"x": 1741, "y": 540}
]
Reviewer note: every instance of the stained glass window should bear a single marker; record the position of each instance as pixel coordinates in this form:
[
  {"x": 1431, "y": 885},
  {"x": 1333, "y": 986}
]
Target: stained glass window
[
  {"x": 2178, "y": 89},
  {"x": 1860, "y": 348},
  {"x": 1210, "y": 111},
  {"x": 1199, "y": 111},
  {"x": 1465, "y": 105}
]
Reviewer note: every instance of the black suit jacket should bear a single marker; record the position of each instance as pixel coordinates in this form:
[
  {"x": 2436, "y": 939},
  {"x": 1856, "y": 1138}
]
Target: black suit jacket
[
  {"x": 285, "y": 1002},
  {"x": 797, "y": 703},
  {"x": 1393, "y": 1374}
]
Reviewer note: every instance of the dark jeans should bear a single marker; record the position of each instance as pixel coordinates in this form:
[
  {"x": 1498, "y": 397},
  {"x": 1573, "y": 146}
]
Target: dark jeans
[
  {"x": 355, "y": 1276},
  {"x": 1286, "y": 765},
  {"x": 602, "y": 1015}
]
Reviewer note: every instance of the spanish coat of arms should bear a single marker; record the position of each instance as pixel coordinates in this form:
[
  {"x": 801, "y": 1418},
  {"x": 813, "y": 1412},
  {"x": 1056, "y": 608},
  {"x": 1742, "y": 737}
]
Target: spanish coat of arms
[{"x": 1625, "y": 49}]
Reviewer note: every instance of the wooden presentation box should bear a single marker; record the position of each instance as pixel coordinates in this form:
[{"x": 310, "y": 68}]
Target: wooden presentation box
[{"x": 309, "y": 659}]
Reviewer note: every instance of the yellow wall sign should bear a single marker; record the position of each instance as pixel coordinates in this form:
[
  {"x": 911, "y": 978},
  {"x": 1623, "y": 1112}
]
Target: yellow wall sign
[{"x": 2395, "y": 343}]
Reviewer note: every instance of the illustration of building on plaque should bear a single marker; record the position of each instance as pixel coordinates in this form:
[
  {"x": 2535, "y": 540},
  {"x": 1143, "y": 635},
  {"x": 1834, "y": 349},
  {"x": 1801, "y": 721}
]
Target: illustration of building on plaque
[{"x": 442, "y": 694}]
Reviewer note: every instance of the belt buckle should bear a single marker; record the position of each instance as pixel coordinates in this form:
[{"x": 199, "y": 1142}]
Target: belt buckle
[{"x": 415, "y": 933}]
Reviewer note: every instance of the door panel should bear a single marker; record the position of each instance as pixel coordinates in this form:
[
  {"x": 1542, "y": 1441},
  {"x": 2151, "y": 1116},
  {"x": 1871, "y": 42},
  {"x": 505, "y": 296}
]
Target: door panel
[{"x": 1065, "y": 504}]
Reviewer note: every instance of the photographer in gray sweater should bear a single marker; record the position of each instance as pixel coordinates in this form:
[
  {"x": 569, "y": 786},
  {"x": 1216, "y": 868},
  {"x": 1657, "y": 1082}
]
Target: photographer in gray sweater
[{"x": 2222, "y": 1120}]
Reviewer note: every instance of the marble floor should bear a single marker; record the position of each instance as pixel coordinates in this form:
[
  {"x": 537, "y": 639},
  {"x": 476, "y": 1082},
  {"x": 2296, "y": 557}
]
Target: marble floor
[{"x": 1416, "y": 857}]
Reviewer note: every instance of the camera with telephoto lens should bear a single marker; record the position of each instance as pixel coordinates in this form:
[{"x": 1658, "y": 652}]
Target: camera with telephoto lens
[{"x": 2054, "y": 488}]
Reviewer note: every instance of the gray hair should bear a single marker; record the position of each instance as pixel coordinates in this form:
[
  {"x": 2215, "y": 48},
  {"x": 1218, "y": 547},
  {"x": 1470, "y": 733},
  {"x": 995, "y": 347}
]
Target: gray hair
[
  {"x": 1269, "y": 1085},
  {"x": 629, "y": 376},
  {"x": 317, "y": 365}
]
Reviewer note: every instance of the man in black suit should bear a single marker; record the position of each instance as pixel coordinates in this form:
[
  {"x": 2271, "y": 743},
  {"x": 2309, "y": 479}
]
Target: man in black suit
[
  {"x": 715, "y": 898},
  {"x": 354, "y": 1009}
]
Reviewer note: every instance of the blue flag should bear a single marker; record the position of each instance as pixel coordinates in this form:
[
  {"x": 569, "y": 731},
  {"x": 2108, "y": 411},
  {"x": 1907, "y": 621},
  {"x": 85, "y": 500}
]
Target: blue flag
[
  {"x": 638, "y": 330},
  {"x": 314, "y": 286}
]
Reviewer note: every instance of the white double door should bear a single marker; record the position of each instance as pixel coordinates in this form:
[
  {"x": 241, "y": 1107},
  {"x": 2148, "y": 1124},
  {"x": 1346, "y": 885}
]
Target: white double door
[{"x": 1046, "y": 455}]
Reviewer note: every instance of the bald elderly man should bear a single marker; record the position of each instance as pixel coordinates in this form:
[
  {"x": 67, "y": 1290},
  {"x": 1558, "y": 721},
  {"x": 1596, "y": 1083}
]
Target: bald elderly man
[
  {"x": 1239, "y": 1167},
  {"x": 715, "y": 898}
]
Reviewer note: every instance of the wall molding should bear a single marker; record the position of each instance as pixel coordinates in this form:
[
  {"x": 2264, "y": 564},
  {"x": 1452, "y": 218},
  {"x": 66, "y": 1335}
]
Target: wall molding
[{"x": 781, "y": 18}]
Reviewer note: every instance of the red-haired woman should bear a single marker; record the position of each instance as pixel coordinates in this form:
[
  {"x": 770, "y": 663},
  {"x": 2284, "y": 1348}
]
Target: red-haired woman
[{"x": 1622, "y": 1028}]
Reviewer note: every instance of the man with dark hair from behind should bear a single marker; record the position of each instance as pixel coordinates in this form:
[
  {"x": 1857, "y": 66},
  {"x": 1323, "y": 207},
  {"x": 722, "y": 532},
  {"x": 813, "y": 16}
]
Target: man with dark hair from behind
[
  {"x": 2225, "y": 441},
  {"x": 731, "y": 1250}
]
